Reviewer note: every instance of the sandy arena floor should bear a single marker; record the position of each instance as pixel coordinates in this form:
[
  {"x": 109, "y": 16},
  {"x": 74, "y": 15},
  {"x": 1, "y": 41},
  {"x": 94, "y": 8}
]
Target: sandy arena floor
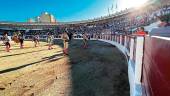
[{"x": 100, "y": 70}]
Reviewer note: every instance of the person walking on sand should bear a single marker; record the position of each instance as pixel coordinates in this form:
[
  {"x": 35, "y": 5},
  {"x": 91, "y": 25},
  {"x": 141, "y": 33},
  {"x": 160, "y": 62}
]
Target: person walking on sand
[
  {"x": 38, "y": 39},
  {"x": 35, "y": 40},
  {"x": 6, "y": 42},
  {"x": 85, "y": 39},
  {"x": 15, "y": 38},
  {"x": 65, "y": 39},
  {"x": 21, "y": 40},
  {"x": 50, "y": 39},
  {"x": 70, "y": 35}
]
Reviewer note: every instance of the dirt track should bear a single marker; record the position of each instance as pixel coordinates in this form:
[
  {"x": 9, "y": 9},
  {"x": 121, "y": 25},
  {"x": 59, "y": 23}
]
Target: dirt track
[{"x": 99, "y": 70}]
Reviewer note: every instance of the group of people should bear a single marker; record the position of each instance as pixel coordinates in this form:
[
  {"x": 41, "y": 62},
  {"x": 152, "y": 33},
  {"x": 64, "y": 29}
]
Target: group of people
[
  {"x": 117, "y": 25},
  {"x": 17, "y": 38},
  {"x": 66, "y": 37}
]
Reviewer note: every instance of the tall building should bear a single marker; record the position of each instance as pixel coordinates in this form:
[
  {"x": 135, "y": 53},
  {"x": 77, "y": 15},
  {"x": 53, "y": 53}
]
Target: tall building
[
  {"x": 37, "y": 19},
  {"x": 53, "y": 18},
  {"x": 44, "y": 18},
  {"x": 47, "y": 18},
  {"x": 31, "y": 20}
]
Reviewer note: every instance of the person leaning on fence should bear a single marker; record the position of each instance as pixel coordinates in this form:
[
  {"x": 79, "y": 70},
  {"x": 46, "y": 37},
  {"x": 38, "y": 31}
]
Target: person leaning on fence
[
  {"x": 140, "y": 32},
  {"x": 50, "y": 39},
  {"x": 6, "y": 42},
  {"x": 85, "y": 39},
  {"x": 65, "y": 39}
]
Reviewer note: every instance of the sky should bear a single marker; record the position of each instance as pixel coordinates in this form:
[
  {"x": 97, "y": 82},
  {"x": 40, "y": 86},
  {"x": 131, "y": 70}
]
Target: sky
[{"x": 63, "y": 10}]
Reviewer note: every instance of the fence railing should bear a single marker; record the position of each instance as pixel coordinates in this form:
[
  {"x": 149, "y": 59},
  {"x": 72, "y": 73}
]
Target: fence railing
[
  {"x": 132, "y": 47},
  {"x": 148, "y": 66}
]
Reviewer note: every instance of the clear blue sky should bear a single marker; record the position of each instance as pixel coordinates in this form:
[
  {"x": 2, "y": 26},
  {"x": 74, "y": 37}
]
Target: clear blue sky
[{"x": 63, "y": 10}]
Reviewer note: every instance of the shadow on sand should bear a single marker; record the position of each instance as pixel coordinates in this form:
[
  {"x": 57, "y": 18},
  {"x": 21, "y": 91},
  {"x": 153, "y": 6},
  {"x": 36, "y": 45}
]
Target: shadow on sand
[
  {"x": 47, "y": 59},
  {"x": 22, "y": 53},
  {"x": 99, "y": 70}
]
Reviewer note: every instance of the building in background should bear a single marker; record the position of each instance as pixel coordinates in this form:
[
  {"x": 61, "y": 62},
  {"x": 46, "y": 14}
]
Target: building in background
[
  {"x": 47, "y": 18},
  {"x": 44, "y": 18},
  {"x": 37, "y": 19},
  {"x": 31, "y": 20}
]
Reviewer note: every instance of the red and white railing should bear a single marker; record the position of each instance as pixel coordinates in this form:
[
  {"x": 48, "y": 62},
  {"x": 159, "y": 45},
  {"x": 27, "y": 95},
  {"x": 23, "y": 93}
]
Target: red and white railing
[{"x": 148, "y": 62}]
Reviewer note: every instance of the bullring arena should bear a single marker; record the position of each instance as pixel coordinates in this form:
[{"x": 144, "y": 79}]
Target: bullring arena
[
  {"x": 42, "y": 72},
  {"x": 125, "y": 53}
]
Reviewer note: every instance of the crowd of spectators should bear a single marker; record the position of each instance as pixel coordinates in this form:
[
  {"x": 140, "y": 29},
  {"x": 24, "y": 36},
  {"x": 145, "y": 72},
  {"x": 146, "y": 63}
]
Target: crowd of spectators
[{"x": 125, "y": 22}]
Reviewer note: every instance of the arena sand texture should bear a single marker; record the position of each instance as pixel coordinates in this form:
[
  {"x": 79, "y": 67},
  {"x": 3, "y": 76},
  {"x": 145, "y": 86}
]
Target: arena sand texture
[{"x": 99, "y": 70}]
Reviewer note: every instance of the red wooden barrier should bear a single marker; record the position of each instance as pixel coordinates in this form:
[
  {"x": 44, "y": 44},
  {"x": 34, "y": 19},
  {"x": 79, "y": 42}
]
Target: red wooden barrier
[{"x": 156, "y": 67}]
